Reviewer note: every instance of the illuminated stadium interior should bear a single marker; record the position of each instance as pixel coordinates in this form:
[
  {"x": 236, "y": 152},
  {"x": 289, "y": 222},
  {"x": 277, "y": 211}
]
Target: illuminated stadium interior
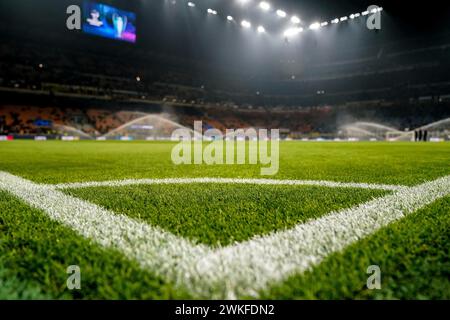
[
  {"x": 200, "y": 150},
  {"x": 309, "y": 67}
]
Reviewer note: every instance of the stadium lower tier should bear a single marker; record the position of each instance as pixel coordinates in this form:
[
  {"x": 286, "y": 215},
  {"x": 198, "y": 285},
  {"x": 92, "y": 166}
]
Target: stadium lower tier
[{"x": 50, "y": 116}]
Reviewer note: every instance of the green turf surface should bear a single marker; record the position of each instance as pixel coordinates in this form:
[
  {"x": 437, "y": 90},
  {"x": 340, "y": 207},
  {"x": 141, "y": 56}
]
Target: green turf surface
[
  {"x": 35, "y": 251},
  {"x": 221, "y": 214},
  {"x": 413, "y": 256},
  {"x": 379, "y": 162},
  {"x": 13, "y": 289}
]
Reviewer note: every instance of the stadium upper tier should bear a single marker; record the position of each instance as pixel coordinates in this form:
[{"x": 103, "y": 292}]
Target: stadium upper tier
[{"x": 388, "y": 72}]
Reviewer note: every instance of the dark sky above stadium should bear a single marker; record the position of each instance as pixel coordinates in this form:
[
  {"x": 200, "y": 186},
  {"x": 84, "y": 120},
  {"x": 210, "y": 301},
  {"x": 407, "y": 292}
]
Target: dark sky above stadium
[{"x": 175, "y": 29}]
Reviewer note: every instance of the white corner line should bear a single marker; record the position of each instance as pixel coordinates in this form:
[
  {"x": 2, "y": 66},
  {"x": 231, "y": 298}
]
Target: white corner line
[
  {"x": 319, "y": 183},
  {"x": 238, "y": 270}
]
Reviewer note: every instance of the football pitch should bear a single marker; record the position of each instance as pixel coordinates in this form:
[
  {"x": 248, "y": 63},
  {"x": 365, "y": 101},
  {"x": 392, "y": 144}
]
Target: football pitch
[{"x": 140, "y": 227}]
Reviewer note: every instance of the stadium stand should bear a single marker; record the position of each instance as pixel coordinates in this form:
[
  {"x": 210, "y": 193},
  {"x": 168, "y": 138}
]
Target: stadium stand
[{"x": 397, "y": 84}]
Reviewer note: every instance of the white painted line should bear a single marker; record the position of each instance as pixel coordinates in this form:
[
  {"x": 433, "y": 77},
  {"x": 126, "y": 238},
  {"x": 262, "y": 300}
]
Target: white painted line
[
  {"x": 130, "y": 182},
  {"x": 255, "y": 264},
  {"x": 233, "y": 271},
  {"x": 157, "y": 250}
]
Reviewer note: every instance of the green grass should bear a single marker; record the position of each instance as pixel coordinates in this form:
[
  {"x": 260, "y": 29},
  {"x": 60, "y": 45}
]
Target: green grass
[
  {"x": 13, "y": 289},
  {"x": 378, "y": 162},
  {"x": 222, "y": 214},
  {"x": 35, "y": 251},
  {"x": 413, "y": 256}
]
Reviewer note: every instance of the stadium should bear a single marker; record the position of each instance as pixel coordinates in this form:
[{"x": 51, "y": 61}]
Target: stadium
[{"x": 224, "y": 150}]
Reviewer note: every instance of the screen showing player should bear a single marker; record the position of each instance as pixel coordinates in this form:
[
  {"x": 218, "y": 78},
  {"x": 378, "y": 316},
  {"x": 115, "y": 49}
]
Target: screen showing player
[{"x": 109, "y": 22}]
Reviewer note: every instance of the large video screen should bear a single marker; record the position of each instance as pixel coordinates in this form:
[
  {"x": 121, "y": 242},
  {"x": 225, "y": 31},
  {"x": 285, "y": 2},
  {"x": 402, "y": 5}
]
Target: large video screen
[{"x": 109, "y": 22}]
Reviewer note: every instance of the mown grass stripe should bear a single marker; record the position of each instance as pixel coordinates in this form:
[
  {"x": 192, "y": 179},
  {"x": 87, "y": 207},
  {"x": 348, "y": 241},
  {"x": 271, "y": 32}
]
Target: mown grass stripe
[{"x": 319, "y": 183}]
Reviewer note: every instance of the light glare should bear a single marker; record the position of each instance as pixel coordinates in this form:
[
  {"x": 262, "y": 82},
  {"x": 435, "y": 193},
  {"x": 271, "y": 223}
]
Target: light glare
[
  {"x": 246, "y": 24},
  {"x": 292, "y": 32},
  {"x": 295, "y": 19},
  {"x": 264, "y": 5},
  {"x": 315, "y": 26},
  {"x": 281, "y": 13}
]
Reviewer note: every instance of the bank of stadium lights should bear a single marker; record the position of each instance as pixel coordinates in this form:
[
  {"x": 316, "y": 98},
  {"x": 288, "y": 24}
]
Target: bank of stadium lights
[{"x": 264, "y": 5}]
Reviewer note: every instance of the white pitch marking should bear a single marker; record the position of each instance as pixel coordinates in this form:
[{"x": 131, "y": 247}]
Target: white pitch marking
[
  {"x": 233, "y": 271},
  {"x": 255, "y": 264},
  {"x": 319, "y": 183},
  {"x": 157, "y": 250}
]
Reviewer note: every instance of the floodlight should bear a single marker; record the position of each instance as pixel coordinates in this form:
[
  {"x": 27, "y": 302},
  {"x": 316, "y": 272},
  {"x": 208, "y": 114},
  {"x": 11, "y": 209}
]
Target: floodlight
[
  {"x": 365, "y": 13},
  {"x": 261, "y": 29},
  {"x": 344, "y": 18},
  {"x": 281, "y": 13},
  {"x": 246, "y": 24},
  {"x": 230, "y": 18},
  {"x": 334, "y": 21},
  {"x": 292, "y": 32},
  {"x": 295, "y": 19},
  {"x": 315, "y": 26},
  {"x": 191, "y": 4},
  {"x": 264, "y": 5},
  {"x": 324, "y": 24}
]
